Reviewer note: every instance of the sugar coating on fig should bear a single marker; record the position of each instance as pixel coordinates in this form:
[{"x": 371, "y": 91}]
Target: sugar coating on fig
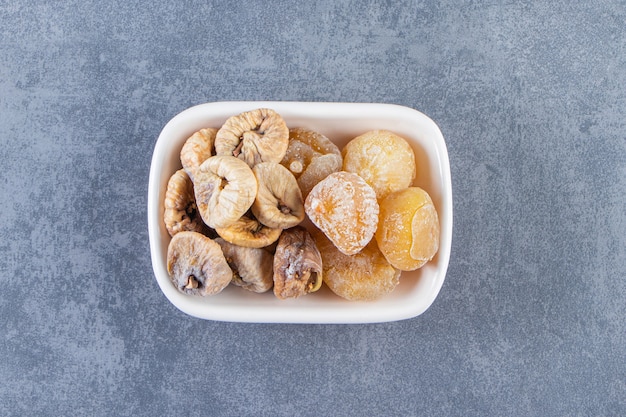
[{"x": 297, "y": 264}]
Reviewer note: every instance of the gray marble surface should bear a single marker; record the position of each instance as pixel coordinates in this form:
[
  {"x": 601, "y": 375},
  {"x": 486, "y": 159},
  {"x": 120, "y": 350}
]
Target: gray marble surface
[{"x": 531, "y": 99}]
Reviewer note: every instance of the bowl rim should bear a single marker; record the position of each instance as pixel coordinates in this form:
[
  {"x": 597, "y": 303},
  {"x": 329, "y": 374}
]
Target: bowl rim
[{"x": 350, "y": 312}]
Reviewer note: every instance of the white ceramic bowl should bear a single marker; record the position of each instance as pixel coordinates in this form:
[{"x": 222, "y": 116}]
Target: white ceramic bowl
[{"x": 340, "y": 122}]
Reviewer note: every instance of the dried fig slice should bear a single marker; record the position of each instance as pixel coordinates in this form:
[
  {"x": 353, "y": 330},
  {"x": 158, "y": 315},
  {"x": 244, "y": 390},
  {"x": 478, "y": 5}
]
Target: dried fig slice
[
  {"x": 181, "y": 213},
  {"x": 225, "y": 188},
  {"x": 252, "y": 267},
  {"x": 297, "y": 264},
  {"x": 197, "y": 149},
  {"x": 278, "y": 203},
  {"x": 196, "y": 264},
  {"x": 255, "y": 136},
  {"x": 247, "y": 231}
]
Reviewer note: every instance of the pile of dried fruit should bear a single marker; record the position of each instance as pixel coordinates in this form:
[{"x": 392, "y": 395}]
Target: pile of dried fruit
[{"x": 236, "y": 209}]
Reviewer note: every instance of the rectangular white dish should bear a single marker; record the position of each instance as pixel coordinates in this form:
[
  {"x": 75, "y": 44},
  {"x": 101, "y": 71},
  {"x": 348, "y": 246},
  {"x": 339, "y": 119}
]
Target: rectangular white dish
[{"x": 340, "y": 122}]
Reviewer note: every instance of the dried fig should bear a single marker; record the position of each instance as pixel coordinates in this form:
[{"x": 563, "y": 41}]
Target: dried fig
[
  {"x": 181, "y": 212},
  {"x": 278, "y": 203},
  {"x": 255, "y": 136},
  {"x": 197, "y": 149},
  {"x": 297, "y": 264},
  {"x": 252, "y": 267},
  {"x": 311, "y": 157},
  {"x": 247, "y": 231},
  {"x": 196, "y": 264},
  {"x": 225, "y": 188}
]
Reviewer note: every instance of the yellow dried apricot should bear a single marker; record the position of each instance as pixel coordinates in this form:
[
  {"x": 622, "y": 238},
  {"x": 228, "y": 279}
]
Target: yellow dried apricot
[
  {"x": 310, "y": 157},
  {"x": 383, "y": 159},
  {"x": 408, "y": 228},
  {"x": 364, "y": 276},
  {"x": 344, "y": 207}
]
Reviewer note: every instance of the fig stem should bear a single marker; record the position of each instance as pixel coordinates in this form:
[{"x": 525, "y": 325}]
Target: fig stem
[
  {"x": 283, "y": 208},
  {"x": 237, "y": 150},
  {"x": 192, "y": 283}
]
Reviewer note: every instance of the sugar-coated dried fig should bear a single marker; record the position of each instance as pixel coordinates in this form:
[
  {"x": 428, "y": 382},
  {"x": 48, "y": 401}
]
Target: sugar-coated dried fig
[
  {"x": 278, "y": 203},
  {"x": 196, "y": 264},
  {"x": 297, "y": 264},
  {"x": 247, "y": 231},
  {"x": 255, "y": 136},
  {"x": 310, "y": 157},
  {"x": 225, "y": 188},
  {"x": 252, "y": 267},
  {"x": 181, "y": 212},
  {"x": 197, "y": 149}
]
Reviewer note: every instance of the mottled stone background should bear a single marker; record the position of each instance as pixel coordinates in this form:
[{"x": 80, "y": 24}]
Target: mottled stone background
[{"x": 531, "y": 97}]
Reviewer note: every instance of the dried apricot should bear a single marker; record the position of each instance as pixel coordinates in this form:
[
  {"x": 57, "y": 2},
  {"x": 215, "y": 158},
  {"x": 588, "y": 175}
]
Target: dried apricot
[
  {"x": 408, "y": 228},
  {"x": 383, "y": 159},
  {"x": 344, "y": 207},
  {"x": 364, "y": 276},
  {"x": 310, "y": 157}
]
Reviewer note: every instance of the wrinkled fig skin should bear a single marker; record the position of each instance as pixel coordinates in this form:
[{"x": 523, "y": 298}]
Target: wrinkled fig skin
[
  {"x": 196, "y": 264},
  {"x": 225, "y": 188},
  {"x": 247, "y": 231},
  {"x": 297, "y": 264},
  {"x": 252, "y": 267},
  {"x": 181, "y": 213},
  {"x": 278, "y": 203},
  {"x": 197, "y": 149},
  {"x": 255, "y": 136}
]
